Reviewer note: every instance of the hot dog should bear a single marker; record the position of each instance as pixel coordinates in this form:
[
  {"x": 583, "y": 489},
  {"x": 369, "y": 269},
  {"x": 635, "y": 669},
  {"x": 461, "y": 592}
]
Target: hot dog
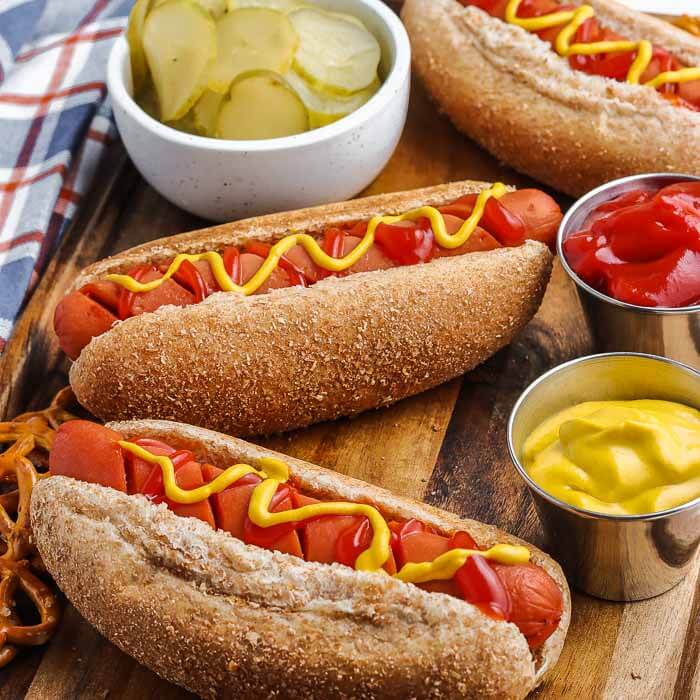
[
  {"x": 572, "y": 94},
  {"x": 324, "y": 312},
  {"x": 314, "y": 583},
  {"x": 506, "y": 221}
]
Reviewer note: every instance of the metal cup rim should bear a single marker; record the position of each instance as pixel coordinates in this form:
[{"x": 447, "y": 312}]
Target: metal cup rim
[
  {"x": 651, "y": 310},
  {"x": 590, "y": 514}
]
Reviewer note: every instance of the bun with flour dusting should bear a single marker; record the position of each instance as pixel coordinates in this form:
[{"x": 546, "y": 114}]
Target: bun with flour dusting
[
  {"x": 281, "y": 321},
  {"x": 277, "y": 578},
  {"x": 618, "y": 95}
]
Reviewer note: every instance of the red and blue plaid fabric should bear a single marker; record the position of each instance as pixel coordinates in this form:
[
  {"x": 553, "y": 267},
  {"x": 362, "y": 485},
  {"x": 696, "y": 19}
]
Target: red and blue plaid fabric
[{"x": 55, "y": 121}]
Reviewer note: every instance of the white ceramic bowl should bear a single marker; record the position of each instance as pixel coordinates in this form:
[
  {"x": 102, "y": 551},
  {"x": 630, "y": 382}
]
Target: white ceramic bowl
[{"x": 224, "y": 180}]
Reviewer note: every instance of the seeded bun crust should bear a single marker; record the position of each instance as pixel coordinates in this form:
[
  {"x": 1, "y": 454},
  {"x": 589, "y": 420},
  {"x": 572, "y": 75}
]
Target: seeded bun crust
[
  {"x": 295, "y": 356},
  {"x": 229, "y": 620},
  {"x": 512, "y": 93}
]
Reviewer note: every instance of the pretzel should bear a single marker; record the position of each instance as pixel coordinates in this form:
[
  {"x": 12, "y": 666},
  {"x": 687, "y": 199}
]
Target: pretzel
[
  {"x": 21, "y": 466},
  {"x": 690, "y": 24}
]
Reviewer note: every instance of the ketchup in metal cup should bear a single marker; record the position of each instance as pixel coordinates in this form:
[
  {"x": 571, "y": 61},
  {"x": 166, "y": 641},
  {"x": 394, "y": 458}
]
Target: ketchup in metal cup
[{"x": 643, "y": 247}]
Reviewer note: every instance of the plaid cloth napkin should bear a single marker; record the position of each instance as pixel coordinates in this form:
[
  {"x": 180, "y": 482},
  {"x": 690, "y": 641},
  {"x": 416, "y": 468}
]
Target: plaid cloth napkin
[{"x": 54, "y": 124}]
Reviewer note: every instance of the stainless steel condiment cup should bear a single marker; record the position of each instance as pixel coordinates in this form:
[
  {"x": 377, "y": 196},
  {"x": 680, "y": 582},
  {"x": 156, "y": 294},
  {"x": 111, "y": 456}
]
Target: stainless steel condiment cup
[
  {"x": 616, "y": 557},
  {"x": 619, "y": 326}
]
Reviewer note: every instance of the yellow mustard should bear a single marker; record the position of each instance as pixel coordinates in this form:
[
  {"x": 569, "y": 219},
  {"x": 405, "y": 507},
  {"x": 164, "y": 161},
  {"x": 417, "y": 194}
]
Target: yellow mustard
[
  {"x": 618, "y": 457},
  {"x": 316, "y": 253},
  {"x": 444, "y": 567},
  {"x": 571, "y": 20},
  {"x": 274, "y": 472}
]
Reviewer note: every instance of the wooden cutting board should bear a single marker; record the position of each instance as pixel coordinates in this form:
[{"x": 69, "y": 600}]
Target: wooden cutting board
[{"x": 446, "y": 446}]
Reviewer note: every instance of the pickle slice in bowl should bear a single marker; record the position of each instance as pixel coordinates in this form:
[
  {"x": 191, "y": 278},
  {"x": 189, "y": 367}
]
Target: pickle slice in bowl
[
  {"x": 326, "y": 108},
  {"x": 205, "y": 112},
  {"x": 279, "y": 5},
  {"x": 252, "y": 38},
  {"x": 334, "y": 54},
  {"x": 148, "y": 100},
  {"x": 134, "y": 37},
  {"x": 261, "y": 105},
  {"x": 179, "y": 39},
  {"x": 215, "y": 8}
]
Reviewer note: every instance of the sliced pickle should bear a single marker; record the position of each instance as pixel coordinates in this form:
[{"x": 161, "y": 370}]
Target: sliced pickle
[
  {"x": 325, "y": 108},
  {"x": 186, "y": 124},
  {"x": 279, "y": 5},
  {"x": 134, "y": 37},
  {"x": 334, "y": 54},
  {"x": 351, "y": 18},
  {"x": 253, "y": 38},
  {"x": 179, "y": 39},
  {"x": 205, "y": 112},
  {"x": 261, "y": 105},
  {"x": 216, "y": 8},
  {"x": 148, "y": 100}
]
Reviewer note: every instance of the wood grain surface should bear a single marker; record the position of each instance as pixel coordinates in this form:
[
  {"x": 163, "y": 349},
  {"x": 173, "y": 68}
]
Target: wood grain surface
[{"x": 446, "y": 446}]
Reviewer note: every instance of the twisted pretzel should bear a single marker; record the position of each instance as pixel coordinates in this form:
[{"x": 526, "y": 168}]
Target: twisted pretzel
[
  {"x": 21, "y": 466},
  {"x": 690, "y": 24}
]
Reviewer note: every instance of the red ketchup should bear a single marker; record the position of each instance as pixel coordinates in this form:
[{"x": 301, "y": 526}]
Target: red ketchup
[{"x": 643, "y": 247}]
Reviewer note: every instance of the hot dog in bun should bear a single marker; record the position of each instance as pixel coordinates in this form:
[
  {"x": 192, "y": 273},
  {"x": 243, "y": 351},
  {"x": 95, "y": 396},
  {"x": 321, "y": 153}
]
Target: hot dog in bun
[
  {"x": 237, "y": 572},
  {"x": 273, "y": 323},
  {"x": 573, "y": 94}
]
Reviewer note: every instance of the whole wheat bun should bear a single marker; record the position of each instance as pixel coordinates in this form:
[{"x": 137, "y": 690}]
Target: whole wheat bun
[
  {"x": 295, "y": 356},
  {"x": 512, "y": 93},
  {"x": 225, "y": 619}
]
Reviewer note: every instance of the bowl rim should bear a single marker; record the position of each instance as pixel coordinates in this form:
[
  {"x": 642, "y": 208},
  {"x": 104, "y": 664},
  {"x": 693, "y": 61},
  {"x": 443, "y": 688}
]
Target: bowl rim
[
  {"x": 582, "y": 201},
  {"x": 582, "y": 512},
  {"x": 390, "y": 89}
]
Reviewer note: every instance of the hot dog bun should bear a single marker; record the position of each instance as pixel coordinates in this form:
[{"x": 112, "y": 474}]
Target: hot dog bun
[
  {"x": 509, "y": 91},
  {"x": 225, "y": 619},
  {"x": 296, "y": 356}
]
